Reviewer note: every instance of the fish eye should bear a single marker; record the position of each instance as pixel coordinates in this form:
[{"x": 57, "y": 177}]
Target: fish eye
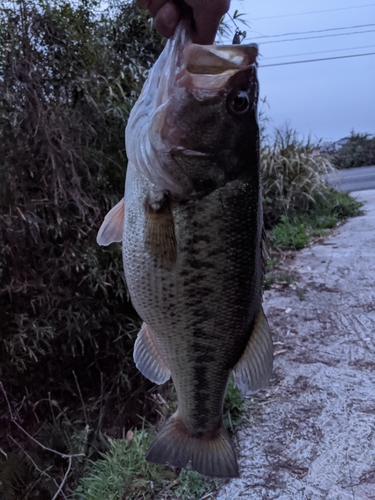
[{"x": 239, "y": 103}]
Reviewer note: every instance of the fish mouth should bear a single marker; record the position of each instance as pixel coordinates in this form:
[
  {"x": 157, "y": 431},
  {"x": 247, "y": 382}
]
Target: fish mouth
[
  {"x": 210, "y": 67},
  {"x": 181, "y": 151},
  {"x": 216, "y": 59}
]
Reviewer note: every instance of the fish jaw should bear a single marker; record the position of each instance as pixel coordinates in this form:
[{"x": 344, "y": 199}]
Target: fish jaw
[
  {"x": 195, "y": 126},
  {"x": 186, "y": 78},
  {"x": 198, "y": 119}
]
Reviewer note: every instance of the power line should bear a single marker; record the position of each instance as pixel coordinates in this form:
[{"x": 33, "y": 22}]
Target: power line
[
  {"x": 319, "y": 36},
  {"x": 313, "y": 31},
  {"x": 316, "y": 60},
  {"x": 318, "y": 52},
  {"x": 314, "y": 12}
]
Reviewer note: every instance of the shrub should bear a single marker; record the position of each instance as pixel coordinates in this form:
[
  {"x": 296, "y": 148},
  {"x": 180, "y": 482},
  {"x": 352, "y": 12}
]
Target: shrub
[
  {"x": 68, "y": 78},
  {"x": 359, "y": 151}
]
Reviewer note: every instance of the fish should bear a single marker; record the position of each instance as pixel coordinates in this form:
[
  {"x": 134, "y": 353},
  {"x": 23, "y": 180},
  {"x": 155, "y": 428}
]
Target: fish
[{"x": 191, "y": 227}]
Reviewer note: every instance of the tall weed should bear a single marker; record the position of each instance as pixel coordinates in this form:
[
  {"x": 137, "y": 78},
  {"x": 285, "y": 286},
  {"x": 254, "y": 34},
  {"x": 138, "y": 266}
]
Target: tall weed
[{"x": 292, "y": 176}]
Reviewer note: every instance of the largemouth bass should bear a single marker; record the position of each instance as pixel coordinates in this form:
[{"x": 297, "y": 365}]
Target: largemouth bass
[{"x": 191, "y": 228}]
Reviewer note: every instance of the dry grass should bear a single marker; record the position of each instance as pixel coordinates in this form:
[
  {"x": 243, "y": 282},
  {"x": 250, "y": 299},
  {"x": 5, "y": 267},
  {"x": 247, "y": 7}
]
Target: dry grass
[{"x": 292, "y": 177}]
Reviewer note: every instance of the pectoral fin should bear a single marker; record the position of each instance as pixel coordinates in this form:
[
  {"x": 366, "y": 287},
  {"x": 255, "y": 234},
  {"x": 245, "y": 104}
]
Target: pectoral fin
[
  {"x": 253, "y": 370},
  {"x": 113, "y": 225},
  {"x": 148, "y": 358},
  {"x": 160, "y": 232}
]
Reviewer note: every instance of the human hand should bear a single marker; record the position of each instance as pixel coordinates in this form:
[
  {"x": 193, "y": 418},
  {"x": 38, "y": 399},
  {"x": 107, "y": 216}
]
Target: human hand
[{"x": 206, "y": 14}]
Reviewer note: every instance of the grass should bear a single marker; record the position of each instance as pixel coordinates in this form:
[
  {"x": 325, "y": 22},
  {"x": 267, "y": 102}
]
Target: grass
[
  {"x": 292, "y": 176},
  {"x": 295, "y": 232},
  {"x": 122, "y": 472},
  {"x": 193, "y": 485},
  {"x": 233, "y": 407}
]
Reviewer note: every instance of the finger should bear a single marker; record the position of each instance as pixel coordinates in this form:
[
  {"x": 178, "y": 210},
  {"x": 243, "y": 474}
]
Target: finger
[
  {"x": 153, "y": 6},
  {"x": 207, "y": 16},
  {"x": 166, "y": 19}
]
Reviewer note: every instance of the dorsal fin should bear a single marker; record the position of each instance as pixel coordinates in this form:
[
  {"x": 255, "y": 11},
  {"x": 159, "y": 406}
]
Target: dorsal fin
[{"x": 113, "y": 225}]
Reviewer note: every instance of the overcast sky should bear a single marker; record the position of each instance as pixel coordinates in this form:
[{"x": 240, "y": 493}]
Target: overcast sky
[{"x": 326, "y": 99}]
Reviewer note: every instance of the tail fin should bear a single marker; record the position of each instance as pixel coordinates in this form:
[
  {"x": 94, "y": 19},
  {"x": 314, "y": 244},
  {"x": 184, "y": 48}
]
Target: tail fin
[{"x": 209, "y": 455}]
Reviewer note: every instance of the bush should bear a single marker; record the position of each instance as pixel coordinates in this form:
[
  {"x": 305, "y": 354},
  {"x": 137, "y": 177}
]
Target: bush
[
  {"x": 68, "y": 79},
  {"x": 359, "y": 151}
]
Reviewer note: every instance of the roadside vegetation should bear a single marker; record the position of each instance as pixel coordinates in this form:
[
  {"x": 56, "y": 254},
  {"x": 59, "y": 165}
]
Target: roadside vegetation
[
  {"x": 298, "y": 205},
  {"x": 358, "y": 151},
  {"x": 76, "y": 416}
]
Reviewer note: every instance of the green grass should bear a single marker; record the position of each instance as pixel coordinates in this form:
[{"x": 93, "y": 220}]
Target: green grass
[
  {"x": 233, "y": 407},
  {"x": 122, "y": 472},
  {"x": 192, "y": 485},
  {"x": 295, "y": 232},
  {"x": 290, "y": 234}
]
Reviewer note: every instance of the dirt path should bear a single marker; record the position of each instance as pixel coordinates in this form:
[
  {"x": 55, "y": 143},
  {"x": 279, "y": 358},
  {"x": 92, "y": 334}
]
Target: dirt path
[{"x": 312, "y": 434}]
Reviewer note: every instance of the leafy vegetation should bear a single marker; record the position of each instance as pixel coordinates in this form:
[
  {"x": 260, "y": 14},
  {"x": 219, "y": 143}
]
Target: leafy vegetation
[
  {"x": 122, "y": 471},
  {"x": 68, "y": 79},
  {"x": 359, "y": 151},
  {"x": 296, "y": 232}
]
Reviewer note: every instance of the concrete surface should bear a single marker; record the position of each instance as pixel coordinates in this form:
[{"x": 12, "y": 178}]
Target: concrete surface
[{"x": 311, "y": 435}]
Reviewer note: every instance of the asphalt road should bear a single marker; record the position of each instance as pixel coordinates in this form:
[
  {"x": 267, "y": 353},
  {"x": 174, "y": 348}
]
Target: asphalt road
[{"x": 353, "y": 179}]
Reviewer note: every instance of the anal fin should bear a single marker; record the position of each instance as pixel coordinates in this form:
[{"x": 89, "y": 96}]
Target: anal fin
[
  {"x": 113, "y": 225},
  {"x": 211, "y": 455},
  {"x": 148, "y": 358},
  {"x": 253, "y": 370}
]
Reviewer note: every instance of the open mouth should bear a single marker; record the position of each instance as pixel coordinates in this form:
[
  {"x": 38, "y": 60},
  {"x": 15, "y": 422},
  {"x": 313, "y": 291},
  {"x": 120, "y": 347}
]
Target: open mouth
[
  {"x": 209, "y": 67},
  {"x": 216, "y": 59}
]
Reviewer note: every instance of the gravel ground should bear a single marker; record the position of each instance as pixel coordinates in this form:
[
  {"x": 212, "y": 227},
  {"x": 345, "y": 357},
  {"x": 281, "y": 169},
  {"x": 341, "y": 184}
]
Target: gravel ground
[{"x": 311, "y": 435}]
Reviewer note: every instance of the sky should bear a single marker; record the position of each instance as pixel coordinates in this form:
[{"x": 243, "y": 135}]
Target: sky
[{"x": 324, "y": 99}]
